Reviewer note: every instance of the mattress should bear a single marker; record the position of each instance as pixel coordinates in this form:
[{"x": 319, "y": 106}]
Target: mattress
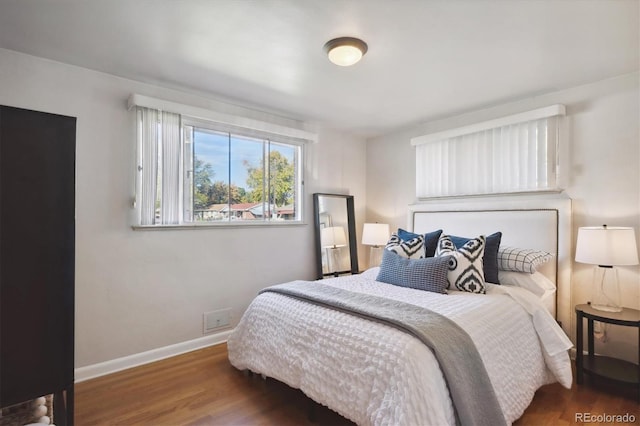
[{"x": 374, "y": 374}]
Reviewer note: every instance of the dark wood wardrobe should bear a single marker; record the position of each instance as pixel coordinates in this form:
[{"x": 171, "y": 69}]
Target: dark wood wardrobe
[{"x": 37, "y": 248}]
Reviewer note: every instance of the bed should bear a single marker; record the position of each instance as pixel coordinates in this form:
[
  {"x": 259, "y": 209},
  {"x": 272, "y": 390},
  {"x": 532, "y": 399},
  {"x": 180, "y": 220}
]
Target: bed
[{"x": 373, "y": 373}]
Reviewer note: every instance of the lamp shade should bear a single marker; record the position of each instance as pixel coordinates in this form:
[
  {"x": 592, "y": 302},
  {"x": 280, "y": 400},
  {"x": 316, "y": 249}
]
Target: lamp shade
[
  {"x": 333, "y": 236},
  {"x": 375, "y": 234},
  {"x": 606, "y": 246}
]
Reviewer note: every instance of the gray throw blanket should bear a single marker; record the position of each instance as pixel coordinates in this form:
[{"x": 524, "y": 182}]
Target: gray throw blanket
[{"x": 473, "y": 396}]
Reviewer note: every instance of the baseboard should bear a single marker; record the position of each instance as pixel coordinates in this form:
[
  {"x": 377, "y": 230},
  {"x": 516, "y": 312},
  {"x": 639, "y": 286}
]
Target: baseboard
[{"x": 119, "y": 364}]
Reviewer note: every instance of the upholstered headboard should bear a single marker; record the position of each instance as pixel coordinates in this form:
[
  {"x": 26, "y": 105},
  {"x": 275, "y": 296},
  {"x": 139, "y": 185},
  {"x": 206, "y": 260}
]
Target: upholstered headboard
[{"x": 542, "y": 223}]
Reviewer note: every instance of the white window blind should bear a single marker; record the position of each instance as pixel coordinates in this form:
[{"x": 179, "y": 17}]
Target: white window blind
[
  {"x": 148, "y": 130},
  {"x": 518, "y": 155},
  {"x": 159, "y": 166}
]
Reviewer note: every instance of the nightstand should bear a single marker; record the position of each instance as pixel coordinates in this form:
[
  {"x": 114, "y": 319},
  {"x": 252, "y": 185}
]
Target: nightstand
[{"x": 619, "y": 371}]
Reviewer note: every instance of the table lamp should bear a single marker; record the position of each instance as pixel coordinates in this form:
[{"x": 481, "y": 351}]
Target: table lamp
[
  {"x": 606, "y": 247},
  {"x": 375, "y": 235}
]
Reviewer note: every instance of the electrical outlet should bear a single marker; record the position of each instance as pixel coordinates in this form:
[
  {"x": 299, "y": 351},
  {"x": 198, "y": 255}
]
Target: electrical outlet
[{"x": 215, "y": 320}]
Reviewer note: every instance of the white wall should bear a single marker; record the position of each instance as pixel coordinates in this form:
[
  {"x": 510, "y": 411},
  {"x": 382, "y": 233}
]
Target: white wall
[
  {"x": 140, "y": 290},
  {"x": 603, "y": 176}
]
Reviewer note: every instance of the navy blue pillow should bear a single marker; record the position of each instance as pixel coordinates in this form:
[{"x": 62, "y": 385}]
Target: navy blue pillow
[
  {"x": 430, "y": 240},
  {"x": 490, "y": 261},
  {"x": 428, "y": 273}
]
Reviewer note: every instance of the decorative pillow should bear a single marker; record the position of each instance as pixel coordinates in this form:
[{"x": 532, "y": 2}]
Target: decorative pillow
[
  {"x": 465, "y": 264},
  {"x": 521, "y": 260},
  {"x": 429, "y": 274},
  {"x": 412, "y": 249},
  {"x": 536, "y": 283},
  {"x": 371, "y": 273},
  {"x": 490, "y": 261},
  {"x": 430, "y": 240}
]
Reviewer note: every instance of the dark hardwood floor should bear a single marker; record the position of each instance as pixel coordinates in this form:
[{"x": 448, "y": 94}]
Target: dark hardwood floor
[{"x": 202, "y": 388}]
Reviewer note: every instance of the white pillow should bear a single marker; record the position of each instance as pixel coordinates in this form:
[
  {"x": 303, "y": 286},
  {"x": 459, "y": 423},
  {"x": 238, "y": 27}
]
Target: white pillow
[
  {"x": 371, "y": 273},
  {"x": 536, "y": 283}
]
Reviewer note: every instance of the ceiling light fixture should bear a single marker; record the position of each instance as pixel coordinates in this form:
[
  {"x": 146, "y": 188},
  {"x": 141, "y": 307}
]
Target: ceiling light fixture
[{"x": 345, "y": 51}]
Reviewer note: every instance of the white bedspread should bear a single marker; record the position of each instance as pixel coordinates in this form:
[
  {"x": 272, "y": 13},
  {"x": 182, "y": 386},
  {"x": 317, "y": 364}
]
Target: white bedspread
[{"x": 375, "y": 374}]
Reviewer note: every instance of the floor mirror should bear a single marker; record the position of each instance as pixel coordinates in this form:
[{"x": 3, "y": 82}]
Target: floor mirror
[{"x": 335, "y": 229}]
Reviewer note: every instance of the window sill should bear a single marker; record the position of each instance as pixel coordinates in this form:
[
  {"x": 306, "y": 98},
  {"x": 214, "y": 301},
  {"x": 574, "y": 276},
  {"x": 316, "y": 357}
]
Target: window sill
[{"x": 208, "y": 225}]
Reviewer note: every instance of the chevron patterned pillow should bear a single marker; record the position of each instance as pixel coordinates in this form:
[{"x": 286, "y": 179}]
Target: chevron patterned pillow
[
  {"x": 430, "y": 240},
  {"x": 412, "y": 249},
  {"x": 465, "y": 264}
]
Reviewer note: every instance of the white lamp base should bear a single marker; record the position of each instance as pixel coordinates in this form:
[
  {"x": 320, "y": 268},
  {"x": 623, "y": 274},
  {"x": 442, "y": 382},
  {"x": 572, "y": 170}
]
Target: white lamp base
[
  {"x": 606, "y": 308},
  {"x": 606, "y": 290},
  {"x": 375, "y": 256}
]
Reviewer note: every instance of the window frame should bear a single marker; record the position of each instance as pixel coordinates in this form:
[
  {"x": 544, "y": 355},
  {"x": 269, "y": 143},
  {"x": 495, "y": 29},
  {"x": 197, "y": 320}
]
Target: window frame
[{"x": 299, "y": 144}]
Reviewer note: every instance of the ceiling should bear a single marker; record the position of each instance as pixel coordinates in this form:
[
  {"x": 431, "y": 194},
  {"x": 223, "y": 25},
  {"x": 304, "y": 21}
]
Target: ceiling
[{"x": 426, "y": 59}]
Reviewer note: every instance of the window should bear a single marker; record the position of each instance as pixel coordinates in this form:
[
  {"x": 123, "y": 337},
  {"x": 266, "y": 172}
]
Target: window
[
  {"x": 513, "y": 154},
  {"x": 193, "y": 171}
]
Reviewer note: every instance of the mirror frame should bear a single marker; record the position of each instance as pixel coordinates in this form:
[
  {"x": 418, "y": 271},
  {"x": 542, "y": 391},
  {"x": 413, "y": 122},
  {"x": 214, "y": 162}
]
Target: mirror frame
[{"x": 351, "y": 225}]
